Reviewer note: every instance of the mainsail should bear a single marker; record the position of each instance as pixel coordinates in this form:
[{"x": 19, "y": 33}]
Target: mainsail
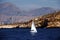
[{"x": 33, "y": 28}]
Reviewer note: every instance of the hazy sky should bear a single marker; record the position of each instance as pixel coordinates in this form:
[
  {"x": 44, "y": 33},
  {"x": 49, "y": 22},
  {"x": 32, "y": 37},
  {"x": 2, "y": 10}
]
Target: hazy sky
[{"x": 32, "y": 4}]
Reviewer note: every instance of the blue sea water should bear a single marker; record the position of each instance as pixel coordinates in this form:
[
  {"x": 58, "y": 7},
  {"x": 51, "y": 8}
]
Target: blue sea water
[{"x": 24, "y": 34}]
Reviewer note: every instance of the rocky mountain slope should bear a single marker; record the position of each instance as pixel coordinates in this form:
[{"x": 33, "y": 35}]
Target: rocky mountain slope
[{"x": 51, "y": 20}]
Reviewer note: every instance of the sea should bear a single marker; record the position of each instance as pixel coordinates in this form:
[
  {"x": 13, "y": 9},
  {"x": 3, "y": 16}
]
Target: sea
[{"x": 25, "y": 34}]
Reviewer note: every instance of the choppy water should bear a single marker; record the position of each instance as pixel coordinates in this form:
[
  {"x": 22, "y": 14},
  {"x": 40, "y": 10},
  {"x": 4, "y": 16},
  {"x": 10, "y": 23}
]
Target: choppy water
[{"x": 24, "y": 34}]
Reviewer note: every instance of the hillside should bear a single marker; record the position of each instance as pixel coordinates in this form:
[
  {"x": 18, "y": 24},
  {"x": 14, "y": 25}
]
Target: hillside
[
  {"x": 53, "y": 20},
  {"x": 48, "y": 20}
]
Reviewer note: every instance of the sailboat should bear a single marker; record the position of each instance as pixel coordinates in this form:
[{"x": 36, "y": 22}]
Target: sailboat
[{"x": 33, "y": 28}]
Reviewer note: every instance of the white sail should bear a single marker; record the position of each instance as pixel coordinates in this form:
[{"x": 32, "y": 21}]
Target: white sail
[{"x": 33, "y": 28}]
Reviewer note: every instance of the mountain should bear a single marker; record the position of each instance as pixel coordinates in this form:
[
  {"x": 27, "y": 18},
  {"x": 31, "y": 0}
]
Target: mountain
[
  {"x": 9, "y": 13},
  {"x": 9, "y": 9},
  {"x": 42, "y": 11},
  {"x": 12, "y": 14}
]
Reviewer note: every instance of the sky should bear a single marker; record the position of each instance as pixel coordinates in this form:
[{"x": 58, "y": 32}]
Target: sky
[{"x": 33, "y": 4}]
